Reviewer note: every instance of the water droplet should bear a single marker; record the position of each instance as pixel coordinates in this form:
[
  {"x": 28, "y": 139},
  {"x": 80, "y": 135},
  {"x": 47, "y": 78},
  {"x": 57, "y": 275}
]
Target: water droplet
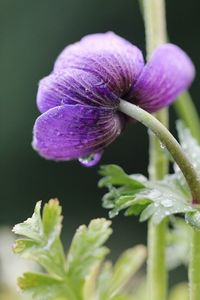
[
  {"x": 155, "y": 194},
  {"x": 91, "y": 160},
  {"x": 167, "y": 203},
  {"x": 162, "y": 146}
]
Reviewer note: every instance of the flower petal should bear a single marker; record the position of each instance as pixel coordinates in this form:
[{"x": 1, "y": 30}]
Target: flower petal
[
  {"x": 107, "y": 55},
  {"x": 72, "y": 131},
  {"x": 169, "y": 72},
  {"x": 74, "y": 86}
]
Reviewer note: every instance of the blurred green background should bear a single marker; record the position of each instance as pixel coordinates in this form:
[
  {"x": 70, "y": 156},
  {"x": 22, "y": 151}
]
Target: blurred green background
[{"x": 32, "y": 33}]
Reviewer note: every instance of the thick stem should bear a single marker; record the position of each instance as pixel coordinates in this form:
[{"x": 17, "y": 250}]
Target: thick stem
[
  {"x": 194, "y": 269},
  {"x": 157, "y": 265},
  {"x": 155, "y": 27},
  {"x": 155, "y": 24},
  {"x": 167, "y": 140}
]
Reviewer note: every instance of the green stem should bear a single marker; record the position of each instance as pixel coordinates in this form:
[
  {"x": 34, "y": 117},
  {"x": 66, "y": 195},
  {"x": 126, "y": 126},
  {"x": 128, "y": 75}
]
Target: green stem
[
  {"x": 155, "y": 27},
  {"x": 158, "y": 165},
  {"x": 186, "y": 110},
  {"x": 157, "y": 265},
  {"x": 168, "y": 141},
  {"x": 155, "y": 24},
  {"x": 194, "y": 270}
]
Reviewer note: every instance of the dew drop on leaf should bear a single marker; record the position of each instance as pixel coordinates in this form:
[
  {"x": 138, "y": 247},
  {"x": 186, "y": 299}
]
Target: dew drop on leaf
[
  {"x": 90, "y": 160},
  {"x": 167, "y": 203}
]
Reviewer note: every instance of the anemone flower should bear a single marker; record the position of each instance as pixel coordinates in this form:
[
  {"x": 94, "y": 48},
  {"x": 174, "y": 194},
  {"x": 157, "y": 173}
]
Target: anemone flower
[{"x": 79, "y": 100}]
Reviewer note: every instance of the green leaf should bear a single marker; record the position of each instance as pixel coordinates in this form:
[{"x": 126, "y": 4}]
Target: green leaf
[
  {"x": 167, "y": 198},
  {"x": 43, "y": 242},
  {"x": 52, "y": 219},
  {"x": 82, "y": 275},
  {"x": 113, "y": 279},
  {"x": 42, "y": 286},
  {"x": 114, "y": 175},
  {"x": 150, "y": 199},
  {"x": 87, "y": 250},
  {"x": 126, "y": 266},
  {"x": 32, "y": 227}
]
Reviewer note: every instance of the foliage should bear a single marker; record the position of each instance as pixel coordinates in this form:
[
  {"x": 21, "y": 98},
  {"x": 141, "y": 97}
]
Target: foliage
[
  {"x": 80, "y": 275},
  {"x": 153, "y": 199}
]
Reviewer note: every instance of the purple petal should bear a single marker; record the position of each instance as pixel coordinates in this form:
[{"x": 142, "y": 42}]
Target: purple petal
[
  {"x": 73, "y": 131},
  {"x": 116, "y": 61},
  {"x": 74, "y": 86},
  {"x": 168, "y": 73}
]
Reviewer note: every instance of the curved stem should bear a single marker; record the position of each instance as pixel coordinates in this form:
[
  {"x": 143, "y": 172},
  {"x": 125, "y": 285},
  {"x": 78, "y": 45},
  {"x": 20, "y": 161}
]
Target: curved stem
[{"x": 168, "y": 141}]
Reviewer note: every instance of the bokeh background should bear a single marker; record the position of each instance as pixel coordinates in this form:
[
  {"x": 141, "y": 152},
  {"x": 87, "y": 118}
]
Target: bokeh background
[{"x": 32, "y": 33}]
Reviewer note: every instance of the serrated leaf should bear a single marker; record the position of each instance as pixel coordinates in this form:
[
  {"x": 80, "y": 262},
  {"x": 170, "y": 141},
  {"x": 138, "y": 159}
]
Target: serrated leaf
[
  {"x": 32, "y": 227},
  {"x": 87, "y": 248},
  {"x": 167, "y": 199},
  {"x": 43, "y": 244},
  {"x": 52, "y": 219},
  {"x": 114, "y": 175},
  {"x": 42, "y": 286},
  {"x": 79, "y": 275},
  {"x": 89, "y": 287},
  {"x": 153, "y": 199},
  {"x": 126, "y": 266},
  {"x": 113, "y": 279}
]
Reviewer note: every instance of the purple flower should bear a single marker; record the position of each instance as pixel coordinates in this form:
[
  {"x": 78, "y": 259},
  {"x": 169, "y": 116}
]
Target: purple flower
[{"x": 79, "y": 99}]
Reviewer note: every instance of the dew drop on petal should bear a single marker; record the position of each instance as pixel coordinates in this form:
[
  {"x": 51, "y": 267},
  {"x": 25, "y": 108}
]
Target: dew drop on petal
[{"x": 90, "y": 160}]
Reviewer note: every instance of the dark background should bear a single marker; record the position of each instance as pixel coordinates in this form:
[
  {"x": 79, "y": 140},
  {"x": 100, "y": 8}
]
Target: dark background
[{"x": 32, "y": 33}]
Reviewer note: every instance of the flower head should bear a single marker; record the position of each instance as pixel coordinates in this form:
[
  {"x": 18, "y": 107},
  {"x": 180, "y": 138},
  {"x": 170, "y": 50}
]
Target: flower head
[{"x": 80, "y": 98}]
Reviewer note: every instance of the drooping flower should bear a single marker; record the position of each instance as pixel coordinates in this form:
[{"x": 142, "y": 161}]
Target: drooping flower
[{"x": 79, "y": 99}]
